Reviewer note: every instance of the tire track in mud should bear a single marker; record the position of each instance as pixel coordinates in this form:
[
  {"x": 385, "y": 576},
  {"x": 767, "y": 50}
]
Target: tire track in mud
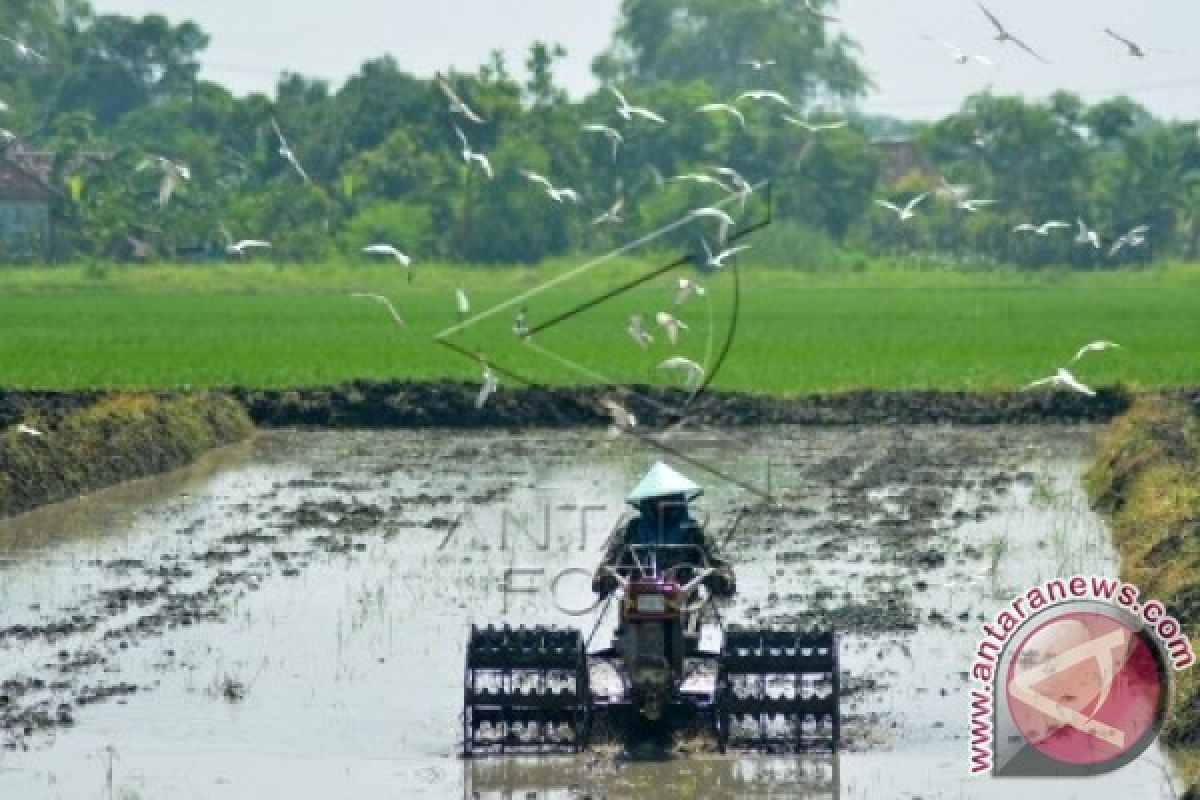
[
  {"x": 139, "y": 602},
  {"x": 869, "y": 521},
  {"x": 861, "y": 537}
]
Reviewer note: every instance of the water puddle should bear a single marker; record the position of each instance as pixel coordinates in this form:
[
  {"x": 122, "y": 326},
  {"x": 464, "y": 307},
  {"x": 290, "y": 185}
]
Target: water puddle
[{"x": 287, "y": 618}]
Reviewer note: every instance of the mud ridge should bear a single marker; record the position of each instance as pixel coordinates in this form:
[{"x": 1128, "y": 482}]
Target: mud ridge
[
  {"x": 1147, "y": 478},
  {"x": 399, "y": 404},
  {"x": 89, "y": 440},
  {"x": 97, "y": 438},
  {"x": 448, "y": 404}
]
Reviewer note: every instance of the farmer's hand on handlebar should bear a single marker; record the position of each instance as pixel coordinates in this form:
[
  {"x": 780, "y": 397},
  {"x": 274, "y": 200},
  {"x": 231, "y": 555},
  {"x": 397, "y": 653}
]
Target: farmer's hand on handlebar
[
  {"x": 621, "y": 579},
  {"x": 691, "y": 585}
]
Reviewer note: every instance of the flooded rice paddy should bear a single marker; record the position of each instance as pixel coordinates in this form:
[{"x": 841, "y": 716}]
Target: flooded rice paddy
[{"x": 287, "y": 618}]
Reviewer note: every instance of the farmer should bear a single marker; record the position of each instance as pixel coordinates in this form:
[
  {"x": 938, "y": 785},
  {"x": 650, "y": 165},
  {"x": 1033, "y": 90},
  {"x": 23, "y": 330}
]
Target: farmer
[{"x": 662, "y": 534}]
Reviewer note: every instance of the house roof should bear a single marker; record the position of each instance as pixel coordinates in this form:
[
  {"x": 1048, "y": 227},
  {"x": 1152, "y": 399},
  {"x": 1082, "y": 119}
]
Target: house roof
[
  {"x": 39, "y": 165},
  {"x": 18, "y": 184}
]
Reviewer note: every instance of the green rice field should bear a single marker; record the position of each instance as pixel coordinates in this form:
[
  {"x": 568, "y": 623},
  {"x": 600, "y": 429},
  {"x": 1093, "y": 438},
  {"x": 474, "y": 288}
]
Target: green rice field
[{"x": 261, "y": 325}]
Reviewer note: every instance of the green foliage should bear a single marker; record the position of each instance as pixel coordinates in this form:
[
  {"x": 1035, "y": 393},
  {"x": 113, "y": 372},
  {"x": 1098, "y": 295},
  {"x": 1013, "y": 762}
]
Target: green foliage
[
  {"x": 791, "y": 243},
  {"x": 408, "y": 226},
  {"x": 1111, "y": 165},
  {"x": 262, "y": 325},
  {"x": 384, "y": 158},
  {"x": 674, "y": 40},
  {"x": 382, "y": 151}
]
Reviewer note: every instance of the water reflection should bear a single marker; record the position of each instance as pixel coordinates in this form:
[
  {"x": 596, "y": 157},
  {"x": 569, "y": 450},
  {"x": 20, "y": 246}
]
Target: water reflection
[{"x": 809, "y": 777}]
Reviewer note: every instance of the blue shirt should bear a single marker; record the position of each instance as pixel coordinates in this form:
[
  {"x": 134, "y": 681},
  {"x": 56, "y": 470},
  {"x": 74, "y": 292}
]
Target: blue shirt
[{"x": 671, "y": 527}]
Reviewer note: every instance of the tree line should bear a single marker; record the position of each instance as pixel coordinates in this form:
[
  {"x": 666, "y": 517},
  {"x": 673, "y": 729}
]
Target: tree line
[{"x": 385, "y": 161}]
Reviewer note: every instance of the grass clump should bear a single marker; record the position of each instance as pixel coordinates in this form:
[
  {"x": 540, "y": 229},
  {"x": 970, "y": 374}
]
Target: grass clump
[
  {"x": 1147, "y": 478},
  {"x": 118, "y": 438}
]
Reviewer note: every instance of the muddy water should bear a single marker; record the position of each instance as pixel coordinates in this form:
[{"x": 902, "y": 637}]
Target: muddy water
[{"x": 287, "y": 619}]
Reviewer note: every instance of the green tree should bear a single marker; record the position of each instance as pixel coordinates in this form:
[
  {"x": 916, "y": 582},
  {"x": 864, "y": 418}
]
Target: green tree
[
  {"x": 541, "y": 90},
  {"x": 684, "y": 40}
]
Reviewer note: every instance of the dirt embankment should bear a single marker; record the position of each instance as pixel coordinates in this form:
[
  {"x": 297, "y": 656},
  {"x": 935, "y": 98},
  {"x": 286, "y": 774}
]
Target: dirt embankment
[
  {"x": 388, "y": 405},
  {"x": 86, "y": 441},
  {"x": 1147, "y": 478},
  {"x": 98, "y": 438}
]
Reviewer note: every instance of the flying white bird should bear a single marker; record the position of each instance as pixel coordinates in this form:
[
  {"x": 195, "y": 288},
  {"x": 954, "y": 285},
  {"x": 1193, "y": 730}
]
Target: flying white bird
[
  {"x": 1086, "y": 235},
  {"x": 1041, "y": 230},
  {"x": 457, "y": 106},
  {"x": 724, "y": 221},
  {"x": 563, "y": 194},
  {"x": 383, "y": 301},
  {"x": 487, "y": 387},
  {"x": 1120, "y": 244},
  {"x": 622, "y": 419},
  {"x": 1135, "y": 238},
  {"x": 286, "y": 152},
  {"x": 960, "y": 56},
  {"x": 908, "y": 211},
  {"x": 540, "y": 180},
  {"x": 687, "y": 289},
  {"x": 628, "y": 112},
  {"x": 765, "y": 94},
  {"x": 702, "y": 179},
  {"x": 718, "y": 261},
  {"x": 816, "y": 12},
  {"x": 1133, "y": 47},
  {"x": 735, "y": 179},
  {"x": 954, "y": 192},
  {"x": 462, "y": 303},
  {"x": 657, "y": 176},
  {"x": 390, "y": 251},
  {"x": 974, "y": 206},
  {"x": 1095, "y": 347},
  {"x": 1065, "y": 380},
  {"x": 694, "y": 372},
  {"x": 24, "y": 51},
  {"x": 173, "y": 174},
  {"x": 637, "y": 329},
  {"x": 520, "y": 326},
  {"x": 1003, "y": 34},
  {"x": 3, "y": 106},
  {"x": 555, "y": 193},
  {"x": 816, "y": 127},
  {"x": 613, "y": 214},
  {"x": 671, "y": 325},
  {"x": 241, "y": 248},
  {"x": 142, "y": 251},
  {"x": 469, "y": 155},
  {"x": 25, "y": 430},
  {"x": 612, "y": 134},
  {"x": 7, "y": 136},
  {"x": 738, "y": 186},
  {"x": 723, "y": 108},
  {"x": 758, "y": 65}
]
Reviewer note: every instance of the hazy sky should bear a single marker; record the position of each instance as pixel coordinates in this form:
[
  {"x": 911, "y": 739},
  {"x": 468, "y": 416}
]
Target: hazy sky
[{"x": 254, "y": 39}]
